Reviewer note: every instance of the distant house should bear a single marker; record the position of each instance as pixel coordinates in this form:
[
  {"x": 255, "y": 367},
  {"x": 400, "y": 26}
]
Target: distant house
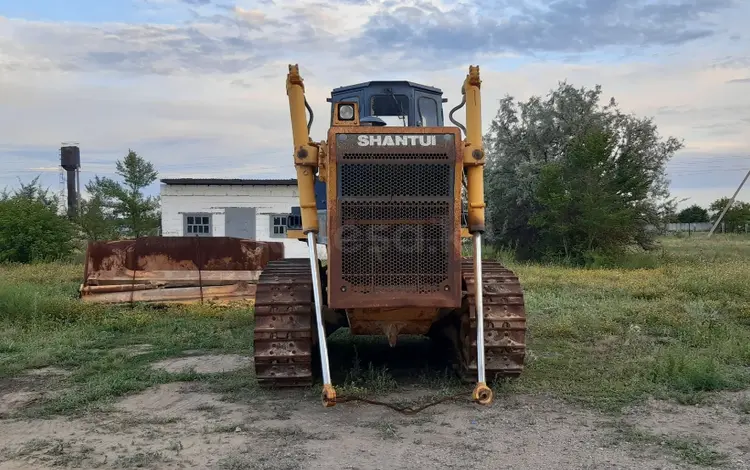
[{"x": 243, "y": 208}]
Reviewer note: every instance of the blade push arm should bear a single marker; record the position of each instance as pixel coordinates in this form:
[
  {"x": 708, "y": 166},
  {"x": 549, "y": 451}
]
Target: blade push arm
[
  {"x": 474, "y": 164},
  {"x": 306, "y": 154},
  {"x": 305, "y": 150},
  {"x": 474, "y": 151}
]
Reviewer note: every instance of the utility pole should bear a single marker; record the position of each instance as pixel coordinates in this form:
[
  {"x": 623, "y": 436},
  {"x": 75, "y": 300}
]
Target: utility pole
[{"x": 729, "y": 204}]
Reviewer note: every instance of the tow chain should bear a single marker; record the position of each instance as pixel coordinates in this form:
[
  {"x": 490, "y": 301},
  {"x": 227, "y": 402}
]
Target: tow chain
[{"x": 406, "y": 410}]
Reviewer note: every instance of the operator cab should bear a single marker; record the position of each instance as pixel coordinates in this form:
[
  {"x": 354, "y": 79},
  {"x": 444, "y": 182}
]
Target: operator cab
[{"x": 393, "y": 103}]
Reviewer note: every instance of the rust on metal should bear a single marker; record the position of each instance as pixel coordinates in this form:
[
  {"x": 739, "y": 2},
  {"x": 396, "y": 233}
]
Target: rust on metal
[
  {"x": 391, "y": 322},
  {"x": 283, "y": 335},
  {"x": 394, "y": 219},
  {"x": 240, "y": 292},
  {"x": 175, "y": 269},
  {"x": 504, "y": 318}
]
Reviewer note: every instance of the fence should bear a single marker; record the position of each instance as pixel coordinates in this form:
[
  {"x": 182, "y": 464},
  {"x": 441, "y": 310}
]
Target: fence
[{"x": 704, "y": 227}]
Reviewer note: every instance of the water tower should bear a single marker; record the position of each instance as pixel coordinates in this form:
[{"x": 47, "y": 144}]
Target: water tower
[{"x": 70, "y": 160}]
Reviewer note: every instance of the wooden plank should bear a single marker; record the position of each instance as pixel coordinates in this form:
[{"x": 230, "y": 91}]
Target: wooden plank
[
  {"x": 190, "y": 277},
  {"x": 115, "y": 288},
  {"x": 186, "y": 295}
]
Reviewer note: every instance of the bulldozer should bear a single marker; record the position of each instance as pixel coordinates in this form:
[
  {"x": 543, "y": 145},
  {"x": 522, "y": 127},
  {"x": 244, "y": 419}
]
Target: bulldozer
[{"x": 385, "y": 194}]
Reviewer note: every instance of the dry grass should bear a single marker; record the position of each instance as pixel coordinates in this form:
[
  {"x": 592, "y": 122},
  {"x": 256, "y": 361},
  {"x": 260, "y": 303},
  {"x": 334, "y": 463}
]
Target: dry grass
[
  {"x": 673, "y": 324},
  {"x": 609, "y": 336}
]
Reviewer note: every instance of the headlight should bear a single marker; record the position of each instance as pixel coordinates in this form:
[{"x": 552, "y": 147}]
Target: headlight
[{"x": 346, "y": 112}]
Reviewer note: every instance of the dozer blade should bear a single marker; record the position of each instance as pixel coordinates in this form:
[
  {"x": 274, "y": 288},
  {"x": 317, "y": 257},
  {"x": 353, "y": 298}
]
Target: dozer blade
[{"x": 175, "y": 269}]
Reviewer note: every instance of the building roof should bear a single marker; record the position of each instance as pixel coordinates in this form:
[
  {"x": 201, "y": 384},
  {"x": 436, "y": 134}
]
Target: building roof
[{"x": 229, "y": 182}]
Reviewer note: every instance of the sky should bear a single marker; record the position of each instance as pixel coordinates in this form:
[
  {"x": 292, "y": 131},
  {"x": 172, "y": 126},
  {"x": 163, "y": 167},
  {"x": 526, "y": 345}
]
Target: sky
[{"x": 198, "y": 86}]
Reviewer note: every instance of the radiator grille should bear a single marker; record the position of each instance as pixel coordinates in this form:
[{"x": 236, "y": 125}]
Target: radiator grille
[
  {"x": 388, "y": 180},
  {"x": 396, "y": 217}
]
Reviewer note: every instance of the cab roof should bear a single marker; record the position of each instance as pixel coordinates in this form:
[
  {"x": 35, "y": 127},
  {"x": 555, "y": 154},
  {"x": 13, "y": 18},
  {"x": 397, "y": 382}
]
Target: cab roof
[{"x": 358, "y": 86}]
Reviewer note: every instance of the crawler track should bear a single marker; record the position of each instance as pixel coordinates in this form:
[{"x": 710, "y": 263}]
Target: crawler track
[
  {"x": 285, "y": 348},
  {"x": 504, "y": 323},
  {"x": 284, "y": 324}
]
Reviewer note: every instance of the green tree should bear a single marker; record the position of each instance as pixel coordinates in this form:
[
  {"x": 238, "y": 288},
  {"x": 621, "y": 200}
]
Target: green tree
[
  {"x": 133, "y": 214},
  {"x": 31, "y": 229},
  {"x": 566, "y": 177},
  {"x": 95, "y": 222},
  {"x": 736, "y": 217},
  {"x": 692, "y": 215}
]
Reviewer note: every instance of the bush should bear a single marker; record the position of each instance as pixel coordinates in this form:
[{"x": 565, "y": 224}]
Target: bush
[
  {"x": 567, "y": 177},
  {"x": 32, "y": 231}
]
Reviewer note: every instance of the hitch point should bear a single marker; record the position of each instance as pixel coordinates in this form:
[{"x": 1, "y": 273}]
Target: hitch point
[
  {"x": 329, "y": 396},
  {"x": 482, "y": 394}
]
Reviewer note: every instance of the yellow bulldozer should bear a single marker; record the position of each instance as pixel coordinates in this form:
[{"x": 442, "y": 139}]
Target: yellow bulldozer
[{"x": 385, "y": 195}]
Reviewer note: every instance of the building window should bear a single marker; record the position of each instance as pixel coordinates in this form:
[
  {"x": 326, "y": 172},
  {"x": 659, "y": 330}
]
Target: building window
[
  {"x": 197, "y": 225},
  {"x": 278, "y": 225}
]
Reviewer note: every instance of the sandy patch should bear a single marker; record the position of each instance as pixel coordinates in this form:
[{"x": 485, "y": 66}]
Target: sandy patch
[
  {"x": 180, "y": 425},
  {"x": 17, "y": 393},
  {"x": 723, "y": 424}
]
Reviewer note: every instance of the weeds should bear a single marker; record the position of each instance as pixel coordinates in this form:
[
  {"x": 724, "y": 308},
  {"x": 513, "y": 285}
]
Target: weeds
[
  {"x": 608, "y": 337},
  {"x": 672, "y": 324},
  {"x": 690, "y": 450}
]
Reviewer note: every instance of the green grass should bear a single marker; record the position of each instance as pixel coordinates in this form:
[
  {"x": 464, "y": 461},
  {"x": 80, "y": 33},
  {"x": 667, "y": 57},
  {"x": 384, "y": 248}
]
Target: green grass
[
  {"x": 42, "y": 323},
  {"x": 672, "y": 324},
  {"x": 679, "y": 329}
]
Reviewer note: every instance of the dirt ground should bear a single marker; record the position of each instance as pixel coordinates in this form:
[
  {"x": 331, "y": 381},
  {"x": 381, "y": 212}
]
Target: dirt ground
[{"x": 182, "y": 425}]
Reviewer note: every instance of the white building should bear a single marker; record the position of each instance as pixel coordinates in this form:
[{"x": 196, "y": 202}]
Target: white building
[{"x": 244, "y": 208}]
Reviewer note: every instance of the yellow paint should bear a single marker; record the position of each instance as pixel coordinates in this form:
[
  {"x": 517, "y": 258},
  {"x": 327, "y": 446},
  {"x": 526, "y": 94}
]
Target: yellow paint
[
  {"x": 474, "y": 166},
  {"x": 354, "y": 122},
  {"x": 306, "y": 165},
  {"x": 311, "y": 158},
  {"x": 296, "y": 234}
]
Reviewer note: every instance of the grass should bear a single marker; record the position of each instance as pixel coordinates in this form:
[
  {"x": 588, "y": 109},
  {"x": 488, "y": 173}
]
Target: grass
[
  {"x": 678, "y": 330},
  {"x": 690, "y": 450},
  {"x": 43, "y": 324},
  {"x": 673, "y": 324}
]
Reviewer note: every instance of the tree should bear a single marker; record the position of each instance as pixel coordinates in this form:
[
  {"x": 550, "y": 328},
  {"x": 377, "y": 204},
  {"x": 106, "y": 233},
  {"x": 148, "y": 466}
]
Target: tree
[
  {"x": 736, "y": 217},
  {"x": 132, "y": 213},
  {"x": 94, "y": 221},
  {"x": 31, "y": 229},
  {"x": 692, "y": 215},
  {"x": 33, "y": 192},
  {"x": 566, "y": 177}
]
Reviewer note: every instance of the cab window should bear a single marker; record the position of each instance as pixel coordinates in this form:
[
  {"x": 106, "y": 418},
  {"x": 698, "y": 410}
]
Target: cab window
[
  {"x": 393, "y": 109},
  {"x": 427, "y": 112}
]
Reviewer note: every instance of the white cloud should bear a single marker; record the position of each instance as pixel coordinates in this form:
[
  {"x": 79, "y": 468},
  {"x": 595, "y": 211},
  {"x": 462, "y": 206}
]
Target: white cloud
[{"x": 208, "y": 99}]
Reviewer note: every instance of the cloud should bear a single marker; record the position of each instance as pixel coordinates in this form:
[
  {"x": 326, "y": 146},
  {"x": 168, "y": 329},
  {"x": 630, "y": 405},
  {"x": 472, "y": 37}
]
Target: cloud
[
  {"x": 739, "y": 80},
  {"x": 198, "y": 89},
  {"x": 238, "y": 40},
  {"x": 570, "y": 26},
  {"x": 222, "y": 40}
]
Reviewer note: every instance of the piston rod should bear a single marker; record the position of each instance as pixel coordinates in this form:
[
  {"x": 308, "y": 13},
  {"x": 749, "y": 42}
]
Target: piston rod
[
  {"x": 329, "y": 393},
  {"x": 482, "y": 393}
]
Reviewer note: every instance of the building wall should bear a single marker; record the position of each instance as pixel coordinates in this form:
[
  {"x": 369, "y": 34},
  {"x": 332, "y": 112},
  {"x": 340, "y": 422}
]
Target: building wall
[{"x": 177, "y": 200}]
